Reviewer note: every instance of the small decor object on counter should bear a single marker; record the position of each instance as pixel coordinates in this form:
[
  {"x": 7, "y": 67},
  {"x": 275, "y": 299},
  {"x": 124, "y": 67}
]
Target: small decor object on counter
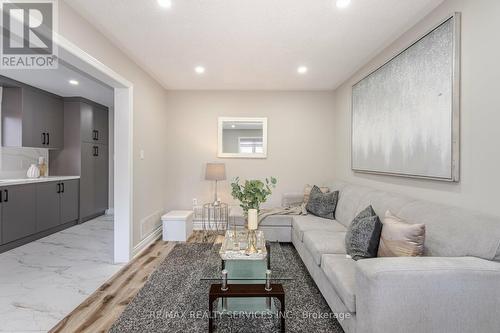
[
  {"x": 42, "y": 166},
  {"x": 33, "y": 171}
]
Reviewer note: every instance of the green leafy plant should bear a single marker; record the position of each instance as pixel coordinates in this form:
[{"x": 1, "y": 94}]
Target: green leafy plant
[{"x": 252, "y": 193}]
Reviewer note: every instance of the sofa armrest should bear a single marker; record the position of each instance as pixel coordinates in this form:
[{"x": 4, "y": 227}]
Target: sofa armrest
[
  {"x": 427, "y": 294},
  {"x": 291, "y": 199}
]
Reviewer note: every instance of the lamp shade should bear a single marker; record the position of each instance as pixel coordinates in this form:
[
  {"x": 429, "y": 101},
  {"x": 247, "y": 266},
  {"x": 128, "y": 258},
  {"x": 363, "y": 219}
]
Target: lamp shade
[{"x": 215, "y": 171}]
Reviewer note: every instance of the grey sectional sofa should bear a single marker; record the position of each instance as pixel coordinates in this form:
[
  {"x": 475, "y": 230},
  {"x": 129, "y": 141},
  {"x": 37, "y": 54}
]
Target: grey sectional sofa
[{"x": 455, "y": 287}]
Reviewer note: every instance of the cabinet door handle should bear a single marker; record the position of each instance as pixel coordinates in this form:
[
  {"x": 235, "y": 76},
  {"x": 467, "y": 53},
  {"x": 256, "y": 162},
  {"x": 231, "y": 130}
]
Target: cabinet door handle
[
  {"x": 96, "y": 151},
  {"x": 97, "y": 135},
  {"x": 48, "y": 138},
  {"x": 62, "y": 187},
  {"x": 43, "y": 138},
  {"x": 58, "y": 188},
  {"x": 6, "y": 196}
]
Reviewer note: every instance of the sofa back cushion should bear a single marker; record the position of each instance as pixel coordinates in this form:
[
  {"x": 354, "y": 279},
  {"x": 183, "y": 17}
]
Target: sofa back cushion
[{"x": 450, "y": 231}]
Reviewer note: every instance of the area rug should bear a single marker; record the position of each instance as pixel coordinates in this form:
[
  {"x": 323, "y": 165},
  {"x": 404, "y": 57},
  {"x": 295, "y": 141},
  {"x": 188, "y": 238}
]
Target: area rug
[{"x": 175, "y": 298}]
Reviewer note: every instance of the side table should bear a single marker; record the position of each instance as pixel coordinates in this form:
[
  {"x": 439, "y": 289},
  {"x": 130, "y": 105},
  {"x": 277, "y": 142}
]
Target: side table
[{"x": 215, "y": 217}]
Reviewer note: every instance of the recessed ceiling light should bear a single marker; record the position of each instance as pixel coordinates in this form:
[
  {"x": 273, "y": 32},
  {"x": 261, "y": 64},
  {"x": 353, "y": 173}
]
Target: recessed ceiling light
[
  {"x": 74, "y": 82},
  {"x": 165, "y": 3},
  {"x": 199, "y": 69},
  {"x": 302, "y": 69},
  {"x": 343, "y": 3},
  {"x": 233, "y": 126}
]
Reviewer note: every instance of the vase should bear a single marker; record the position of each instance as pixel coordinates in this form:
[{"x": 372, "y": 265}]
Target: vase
[
  {"x": 253, "y": 219},
  {"x": 33, "y": 171}
]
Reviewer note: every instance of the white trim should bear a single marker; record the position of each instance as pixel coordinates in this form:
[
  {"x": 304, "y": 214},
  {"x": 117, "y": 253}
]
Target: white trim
[
  {"x": 220, "y": 129},
  {"x": 110, "y": 211},
  {"x": 153, "y": 237},
  {"x": 123, "y": 121}
]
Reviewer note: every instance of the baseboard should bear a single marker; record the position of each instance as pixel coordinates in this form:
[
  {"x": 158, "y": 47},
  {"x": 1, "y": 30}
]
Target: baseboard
[{"x": 150, "y": 239}]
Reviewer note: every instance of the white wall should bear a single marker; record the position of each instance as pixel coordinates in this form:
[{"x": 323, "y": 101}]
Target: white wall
[
  {"x": 480, "y": 118},
  {"x": 300, "y": 133},
  {"x": 149, "y": 118}
]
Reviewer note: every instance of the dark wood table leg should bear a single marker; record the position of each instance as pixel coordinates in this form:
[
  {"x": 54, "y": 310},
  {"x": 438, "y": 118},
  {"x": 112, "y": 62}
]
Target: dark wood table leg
[
  {"x": 283, "y": 311},
  {"x": 210, "y": 314}
]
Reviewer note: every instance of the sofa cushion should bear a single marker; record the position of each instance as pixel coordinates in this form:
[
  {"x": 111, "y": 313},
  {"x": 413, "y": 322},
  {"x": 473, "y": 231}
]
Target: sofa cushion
[
  {"x": 320, "y": 242},
  {"x": 340, "y": 271},
  {"x": 302, "y": 223},
  {"x": 400, "y": 238},
  {"x": 363, "y": 235},
  {"x": 322, "y": 204}
]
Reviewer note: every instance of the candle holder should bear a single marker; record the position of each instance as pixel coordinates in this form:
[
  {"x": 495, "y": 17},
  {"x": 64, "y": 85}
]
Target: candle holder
[{"x": 251, "y": 243}]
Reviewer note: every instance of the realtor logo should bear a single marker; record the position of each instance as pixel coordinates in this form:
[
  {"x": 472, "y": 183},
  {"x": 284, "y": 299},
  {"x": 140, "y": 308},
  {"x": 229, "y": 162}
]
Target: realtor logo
[{"x": 28, "y": 28}]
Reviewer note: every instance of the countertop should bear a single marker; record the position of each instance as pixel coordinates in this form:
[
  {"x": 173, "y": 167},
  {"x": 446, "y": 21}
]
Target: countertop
[{"x": 21, "y": 181}]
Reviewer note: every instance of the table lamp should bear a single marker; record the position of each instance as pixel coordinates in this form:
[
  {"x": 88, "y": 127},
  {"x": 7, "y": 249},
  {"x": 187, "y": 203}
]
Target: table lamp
[{"x": 217, "y": 172}]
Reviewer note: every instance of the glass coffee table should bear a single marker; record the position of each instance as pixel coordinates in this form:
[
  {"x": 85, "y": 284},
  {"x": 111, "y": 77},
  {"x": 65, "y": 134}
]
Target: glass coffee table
[{"x": 246, "y": 278}]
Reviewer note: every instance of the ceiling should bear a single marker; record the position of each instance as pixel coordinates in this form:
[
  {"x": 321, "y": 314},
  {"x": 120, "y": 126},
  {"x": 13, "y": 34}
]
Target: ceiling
[
  {"x": 252, "y": 44},
  {"x": 56, "y": 81}
]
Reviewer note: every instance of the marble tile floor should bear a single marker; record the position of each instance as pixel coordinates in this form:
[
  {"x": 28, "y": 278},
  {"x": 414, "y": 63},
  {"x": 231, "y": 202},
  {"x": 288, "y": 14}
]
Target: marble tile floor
[{"x": 43, "y": 281}]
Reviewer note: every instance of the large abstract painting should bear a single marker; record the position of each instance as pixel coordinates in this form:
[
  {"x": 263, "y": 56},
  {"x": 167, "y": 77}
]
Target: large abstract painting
[{"x": 405, "y": 115}]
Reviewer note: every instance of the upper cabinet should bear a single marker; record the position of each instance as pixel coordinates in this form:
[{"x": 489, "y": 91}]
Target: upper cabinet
[
  {"x": 94, "y": 122},
  {"x": 32, "y": 118}
]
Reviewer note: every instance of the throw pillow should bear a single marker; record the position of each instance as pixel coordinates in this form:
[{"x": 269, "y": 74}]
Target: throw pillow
[
  {"x": 322, "y": 204},
  {"x": 307, "y": 192},
  {"x": 400, "y": 238},
  {"x": 363, "y": 235}
]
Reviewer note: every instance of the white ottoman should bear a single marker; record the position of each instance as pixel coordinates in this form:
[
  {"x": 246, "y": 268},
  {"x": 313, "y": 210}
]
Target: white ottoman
[{"x": 177, "y": 225}]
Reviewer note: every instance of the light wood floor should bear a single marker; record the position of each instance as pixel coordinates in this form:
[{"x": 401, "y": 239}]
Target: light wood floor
[{"x": 98, "y": 312}]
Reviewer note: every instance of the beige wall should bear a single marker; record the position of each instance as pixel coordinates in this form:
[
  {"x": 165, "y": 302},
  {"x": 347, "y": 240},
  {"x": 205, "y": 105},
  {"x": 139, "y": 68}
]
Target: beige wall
[
  {"x": 300, "y": 133},
  {"x": 480, "y": 178},
  {"x": 149, "y": 119}
]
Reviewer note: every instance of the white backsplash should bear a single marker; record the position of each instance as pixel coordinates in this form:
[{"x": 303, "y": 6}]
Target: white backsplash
[{"x": 14, "y": 162}]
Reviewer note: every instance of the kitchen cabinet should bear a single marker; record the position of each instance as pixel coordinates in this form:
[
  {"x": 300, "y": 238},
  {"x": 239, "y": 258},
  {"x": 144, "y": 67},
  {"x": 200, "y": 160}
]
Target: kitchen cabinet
[
  {"x": 57, "y": 203},
  {"x": 47, "y": 205},
  {"x": 85, "y": 153},
  {"x": 18, "y": 212},
  {"x": 70, "y": 201},
  {"x": 94, "y": 179},
  {"x": 29, "y": 211},
  {"x": 32, "y": 118},
  {"x": 93, "y": 120}
]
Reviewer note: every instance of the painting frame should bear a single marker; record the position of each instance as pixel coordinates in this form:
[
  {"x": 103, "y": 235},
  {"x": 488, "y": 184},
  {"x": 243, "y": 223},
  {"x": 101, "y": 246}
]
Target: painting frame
[{"x": 455, "y": 105}]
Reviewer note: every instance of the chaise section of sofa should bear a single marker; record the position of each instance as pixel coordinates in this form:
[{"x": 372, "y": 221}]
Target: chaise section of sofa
[{"x": 455, "y": 287}]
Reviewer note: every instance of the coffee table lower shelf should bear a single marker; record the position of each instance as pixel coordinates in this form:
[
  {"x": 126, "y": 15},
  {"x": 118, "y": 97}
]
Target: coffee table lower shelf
[{"x": 246, "y": 290}]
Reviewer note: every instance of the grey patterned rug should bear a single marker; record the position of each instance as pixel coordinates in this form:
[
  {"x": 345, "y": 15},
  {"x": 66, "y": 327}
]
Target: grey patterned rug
[{"x": 175, "y": 299}]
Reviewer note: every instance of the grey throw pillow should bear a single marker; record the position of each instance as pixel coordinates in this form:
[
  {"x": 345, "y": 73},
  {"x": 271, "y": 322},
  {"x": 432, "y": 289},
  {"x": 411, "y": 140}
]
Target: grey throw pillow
[
  {"x": 322, "y": 204},
  {"x": 363, "y": 235}
]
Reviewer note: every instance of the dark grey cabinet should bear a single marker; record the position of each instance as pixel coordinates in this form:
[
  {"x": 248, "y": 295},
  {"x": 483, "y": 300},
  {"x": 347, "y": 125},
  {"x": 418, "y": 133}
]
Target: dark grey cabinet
[
  {"x": 56, "y": 204},
  {"x": 18, "y": 212},
  {"x": 94, "y": 179},
  {"x": 93, "y": 119},
  {"x": 32, "y": 118},
  {"x": 70, "y": 203},
  {"x": 30, "y": 211},
  {"x": 85, "y": 154},
  {"x": 47, "y": 205}
]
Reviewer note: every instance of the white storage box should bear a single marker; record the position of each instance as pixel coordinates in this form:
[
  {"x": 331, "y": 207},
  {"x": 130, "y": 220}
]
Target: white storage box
[{"x": 177, "y": 225}]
